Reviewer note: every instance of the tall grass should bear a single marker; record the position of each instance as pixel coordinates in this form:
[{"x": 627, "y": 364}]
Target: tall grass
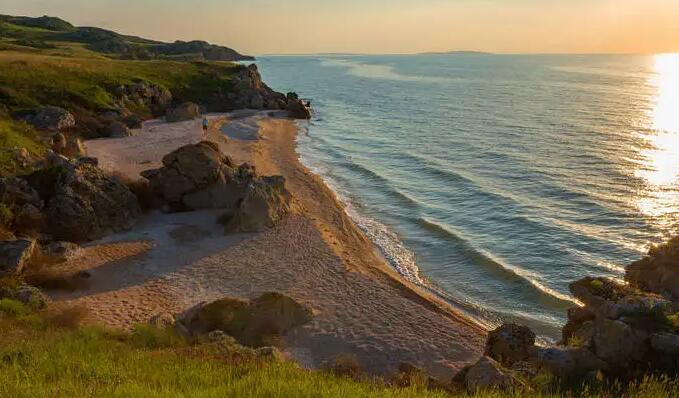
[{"x": 38, "y": 359}]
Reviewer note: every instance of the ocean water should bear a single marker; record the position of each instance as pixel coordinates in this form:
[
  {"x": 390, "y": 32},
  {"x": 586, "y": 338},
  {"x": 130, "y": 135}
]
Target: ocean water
[{"x": 495, "y": 180}]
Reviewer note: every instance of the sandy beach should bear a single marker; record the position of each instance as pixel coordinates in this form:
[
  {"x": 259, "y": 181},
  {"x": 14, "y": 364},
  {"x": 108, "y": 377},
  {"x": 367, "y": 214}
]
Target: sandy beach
[{"x": 318, "y": 256}]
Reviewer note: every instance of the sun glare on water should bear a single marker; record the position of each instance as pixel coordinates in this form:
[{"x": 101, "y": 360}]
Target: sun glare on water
[{"x": 661, "y": 165}]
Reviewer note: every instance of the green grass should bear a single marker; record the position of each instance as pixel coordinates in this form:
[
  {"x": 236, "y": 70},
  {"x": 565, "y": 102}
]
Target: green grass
[
  {"x": 73, "y": 77},
  {"x": 41, "y": 360},
  {"x": 15, "y": 135}
]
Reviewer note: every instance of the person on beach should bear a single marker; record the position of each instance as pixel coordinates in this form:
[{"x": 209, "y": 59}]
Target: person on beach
[{"x": 206, "y": 125}]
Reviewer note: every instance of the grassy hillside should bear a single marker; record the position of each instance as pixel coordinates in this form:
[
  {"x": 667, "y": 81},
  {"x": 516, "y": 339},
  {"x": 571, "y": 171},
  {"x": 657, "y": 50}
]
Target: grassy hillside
[
  {"x": 42, "y": 31},
  {"x": 71, "y": 76},
  {"x": 40, "y": 359}
]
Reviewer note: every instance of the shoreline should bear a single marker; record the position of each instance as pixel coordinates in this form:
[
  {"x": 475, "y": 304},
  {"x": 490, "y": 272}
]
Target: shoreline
[{"x": 363, "y": 307}]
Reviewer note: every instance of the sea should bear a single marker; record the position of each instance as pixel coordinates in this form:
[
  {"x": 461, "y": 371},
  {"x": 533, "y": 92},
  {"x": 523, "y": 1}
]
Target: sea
[{"x": 494, "y": 181}]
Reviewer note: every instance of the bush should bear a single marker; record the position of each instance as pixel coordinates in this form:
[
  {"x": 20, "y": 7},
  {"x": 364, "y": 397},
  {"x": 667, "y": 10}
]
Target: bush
[{"x": 12, "y": 308}]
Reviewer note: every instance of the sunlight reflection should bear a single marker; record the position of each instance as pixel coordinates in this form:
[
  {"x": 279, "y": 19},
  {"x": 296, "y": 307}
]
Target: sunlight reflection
[{"x": 661, "y": 155}]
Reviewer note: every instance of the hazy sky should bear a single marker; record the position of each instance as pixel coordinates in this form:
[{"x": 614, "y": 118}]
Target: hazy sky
[{"x": 384, "y": 26}]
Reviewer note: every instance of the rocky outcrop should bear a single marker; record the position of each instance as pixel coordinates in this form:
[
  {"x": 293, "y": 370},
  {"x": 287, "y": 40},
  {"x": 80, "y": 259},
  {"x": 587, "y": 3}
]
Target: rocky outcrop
[
  {"x": 510, "y": 344},
  {"x": 200, "y": 176},
  {"x": 78, "y": 202},
  {"x": 259, "y": 322},
  {"x": 488, "y": 374},
  {"x": 623, "y": 331},
  {"x": 25, "y": 294},
  {"x": 183, "y": 112},
  {"x": 617, "y": 325},
  {"x": 14, "y": 255},
  {"x": 659, "y": 271},
  {"x": 265, "y": 203},
  {"x": 51, "y": 118},
  {"x": 24, "y": 205},
  {"x": 251, "y": 92},
  {"x": 153, "y": 96}
]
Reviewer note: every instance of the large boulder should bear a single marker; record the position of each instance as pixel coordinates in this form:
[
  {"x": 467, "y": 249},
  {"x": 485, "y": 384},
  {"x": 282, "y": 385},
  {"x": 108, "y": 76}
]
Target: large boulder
[
  {"x": 488, "y": 374},
  {"x": 82, "y": 203},
  {"x": 257, "y": 323},
  {"x": 510, "y": 343},
  {"x": 298, "y": 109},
  {"x": 183, "y": 112},
  {"x": 14, "y": 255},
  {"x": 265, "y": 203},
  {"x": 659, "y": 271},
  {"x": 200, "y": 176},
  {"x": 51, "y": 118}
]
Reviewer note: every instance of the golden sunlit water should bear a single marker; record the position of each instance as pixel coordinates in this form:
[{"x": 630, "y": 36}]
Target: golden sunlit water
[{"x": 661, "y": 156}]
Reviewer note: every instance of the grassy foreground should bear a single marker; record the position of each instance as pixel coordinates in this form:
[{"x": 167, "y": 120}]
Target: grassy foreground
[{"x": 40, "y": 359}]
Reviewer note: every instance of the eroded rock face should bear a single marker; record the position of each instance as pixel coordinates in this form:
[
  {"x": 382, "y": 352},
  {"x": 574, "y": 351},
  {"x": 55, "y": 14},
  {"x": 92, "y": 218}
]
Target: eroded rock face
[
  {"x": 185, "y": 111},
  {"x": 258, "y": 322},
  {"x": 200, "y": 176},
  {"x": 14, "y": 255},
  {"x": 251, "y": 92},
  {"x": 659, "y": 271},
  {"x": 51, "y": 118},
  {"x": 81, "y": 203},
  {"x": 155, "y": 97}
]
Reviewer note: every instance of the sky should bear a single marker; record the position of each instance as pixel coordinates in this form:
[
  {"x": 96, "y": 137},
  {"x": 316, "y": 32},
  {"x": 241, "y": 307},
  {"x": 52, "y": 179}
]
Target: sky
[{"x": 383, "y": 26}]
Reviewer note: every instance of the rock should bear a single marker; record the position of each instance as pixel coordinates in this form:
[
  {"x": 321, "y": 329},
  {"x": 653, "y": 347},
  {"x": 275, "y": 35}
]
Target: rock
[
  {"x": 15, "y": 193},
  {"x": 31, "y": 297},
  {"x": 83, "y": 203},
  {"x": 52, "y": 118},
  {"x": 61, "y": 252},
  {"x": 58, "y": 142},
  {"x": 576, "y": 317},
  {"x": 269, "y": 354},
  {"x": 118, "y": 130},
  {"x": 183, "y": 112},
  {"x": 665, "y": 343},
  {"x": 618, "y": 344},
  {"x": 510, "y": 343},
  {"x": 257, "y": 323},
  {"x": 659, "y": 271},
  {"x": 488, "y": 374},
  {"x": 201, "y": 177},
  {"x": 162, "y": 320},
  {"x": 155, "y": 97},
  {"x": 29, "y": 220},
  {"x": 74, "y": 148},
  {"x": 298, "y": 109},
  {"x": 14, "y": 255},
  {"x": 265, "y": 203},
  {"x": 566, "y": 362}
]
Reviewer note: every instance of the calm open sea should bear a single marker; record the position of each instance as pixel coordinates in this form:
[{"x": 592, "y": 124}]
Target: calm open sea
[{"x": 495, "y": 180}]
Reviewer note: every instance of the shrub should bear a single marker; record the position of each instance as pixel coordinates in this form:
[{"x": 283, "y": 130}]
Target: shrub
[{"x": 12, "y": 308}]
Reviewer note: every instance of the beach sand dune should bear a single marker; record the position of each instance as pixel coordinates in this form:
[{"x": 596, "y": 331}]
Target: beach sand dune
[{"x": 170, "y": 262}]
